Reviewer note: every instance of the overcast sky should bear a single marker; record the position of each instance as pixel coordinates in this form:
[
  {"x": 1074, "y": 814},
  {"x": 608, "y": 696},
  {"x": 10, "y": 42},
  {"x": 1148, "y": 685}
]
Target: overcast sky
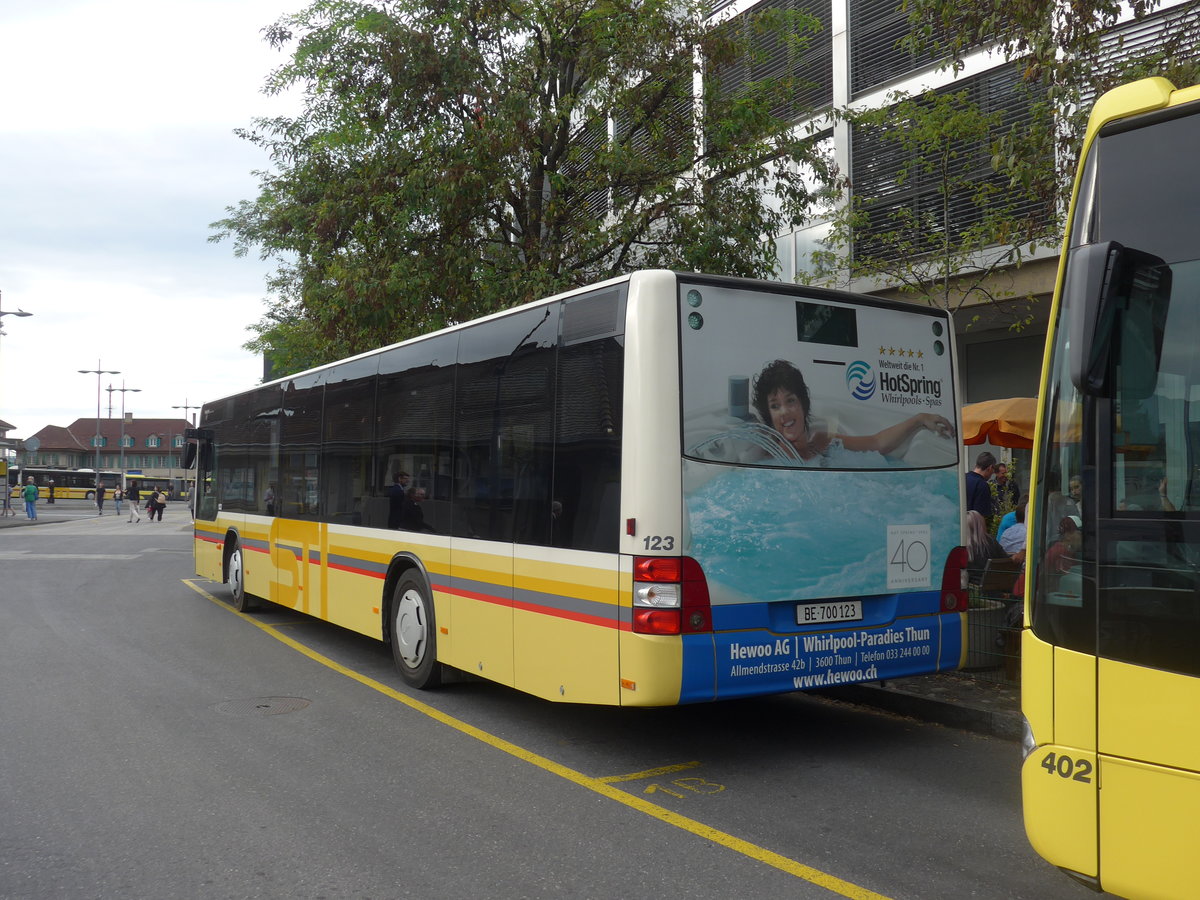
[{"x": 116, "y": 153}]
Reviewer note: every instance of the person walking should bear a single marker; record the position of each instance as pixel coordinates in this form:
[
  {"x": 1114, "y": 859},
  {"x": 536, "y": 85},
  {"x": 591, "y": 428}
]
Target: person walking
[
  {"x": 132, "y": 496},
  {"x": 118, "y": 496},
  {"x": 30, "y": 493},
  {"x": 979, "y": 495},
  {"x": 158, "y": 503},
  {"x": 99, "y": 499}
]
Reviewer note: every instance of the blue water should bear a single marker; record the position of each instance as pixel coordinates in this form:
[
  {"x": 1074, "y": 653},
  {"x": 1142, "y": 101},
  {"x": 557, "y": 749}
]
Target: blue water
[{"x": 792, "y": 534}]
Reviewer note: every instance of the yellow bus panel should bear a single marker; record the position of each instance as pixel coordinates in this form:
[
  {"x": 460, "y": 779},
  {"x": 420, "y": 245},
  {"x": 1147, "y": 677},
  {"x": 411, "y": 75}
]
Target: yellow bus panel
[
  {"x": 1058, "y": 784},
  {"x": 1037, "y": 685},
  {"x": 1148, "y": 829},
  {"x": 651, "y": 669},
  {"x": 1149, "y": 714},
  {"x": 480, "y": 600},
  {"x": 1074, "y": 698},
  {"x": 565, "y": 627}
]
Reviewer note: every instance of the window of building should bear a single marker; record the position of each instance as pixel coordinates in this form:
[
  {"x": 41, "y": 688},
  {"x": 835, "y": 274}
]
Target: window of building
[{"x": 899, "y": 192}]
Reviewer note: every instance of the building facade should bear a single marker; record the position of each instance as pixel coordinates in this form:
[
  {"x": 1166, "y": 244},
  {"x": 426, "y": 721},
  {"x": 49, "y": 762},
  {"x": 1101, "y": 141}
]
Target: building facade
[
  {"x": 859, "y": 60},
  {"x": 149, "y": 447}
]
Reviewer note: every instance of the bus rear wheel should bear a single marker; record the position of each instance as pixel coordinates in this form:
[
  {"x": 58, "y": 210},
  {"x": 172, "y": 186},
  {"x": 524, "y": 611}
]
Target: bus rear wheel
[
  {"x": 236, "y": 577},
  {"x": 414, "y": 634}
]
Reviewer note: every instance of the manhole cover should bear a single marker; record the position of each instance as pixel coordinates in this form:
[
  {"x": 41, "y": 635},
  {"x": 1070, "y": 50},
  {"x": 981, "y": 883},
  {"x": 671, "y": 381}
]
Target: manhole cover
[{"x": 262, "y": 706}]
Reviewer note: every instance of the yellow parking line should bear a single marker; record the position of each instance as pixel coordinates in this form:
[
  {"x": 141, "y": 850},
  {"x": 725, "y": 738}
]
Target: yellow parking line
[
  {"x": 596, "y": 785},
  {"x": 649, "y": 773}
]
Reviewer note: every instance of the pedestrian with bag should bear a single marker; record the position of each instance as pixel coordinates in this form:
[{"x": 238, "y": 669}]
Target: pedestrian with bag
[
  {"x": 133, "y": 496},
  {"x": 118, "y": 496},
  {"x": 158, "y": 502}
]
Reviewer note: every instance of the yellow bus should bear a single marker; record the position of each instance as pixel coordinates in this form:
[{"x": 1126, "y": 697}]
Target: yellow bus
[
  {"x": 666, "y": 488},
  {"x": 67, "y": 484},
  {"x": 1111, "y": 645}
]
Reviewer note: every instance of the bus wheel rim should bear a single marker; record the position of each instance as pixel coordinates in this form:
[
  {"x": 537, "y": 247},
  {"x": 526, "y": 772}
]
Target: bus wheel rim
[{"x": 412, "y": 627}]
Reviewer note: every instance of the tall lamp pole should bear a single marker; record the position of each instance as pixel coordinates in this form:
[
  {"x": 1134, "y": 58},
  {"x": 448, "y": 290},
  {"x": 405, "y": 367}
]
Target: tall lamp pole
[
  {"x": 123, "y": 391},
  {"x": 20, "y": 313},
  {"x": 98, "y": 372},
  {"x": 185, "y": 407}
]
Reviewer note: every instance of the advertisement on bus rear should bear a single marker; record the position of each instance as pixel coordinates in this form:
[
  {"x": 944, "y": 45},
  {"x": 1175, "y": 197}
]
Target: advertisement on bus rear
[
  {"x": 821, "y": 459},
  {"x": 821, "y": 467}
]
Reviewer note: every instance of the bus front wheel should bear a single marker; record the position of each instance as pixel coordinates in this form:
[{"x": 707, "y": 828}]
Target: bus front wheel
[
  {"x": 242, "y": 601},
  {"x": 414, "y": 634},
  {"x": 90, "y": 495}
]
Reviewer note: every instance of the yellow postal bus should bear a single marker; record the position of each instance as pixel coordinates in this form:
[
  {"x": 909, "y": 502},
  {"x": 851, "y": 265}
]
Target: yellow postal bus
[
  {"x": 663, "y": 489},
  {"x": 1111, "y": 650}
]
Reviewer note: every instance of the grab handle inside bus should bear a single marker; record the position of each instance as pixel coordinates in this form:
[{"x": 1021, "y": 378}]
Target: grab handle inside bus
[{"x": 1117, "y": 297}]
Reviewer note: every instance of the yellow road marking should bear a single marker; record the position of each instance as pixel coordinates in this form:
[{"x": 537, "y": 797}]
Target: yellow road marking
[
  {"x": 649, "y": 773},
  {"x": 596, "y": 785}
]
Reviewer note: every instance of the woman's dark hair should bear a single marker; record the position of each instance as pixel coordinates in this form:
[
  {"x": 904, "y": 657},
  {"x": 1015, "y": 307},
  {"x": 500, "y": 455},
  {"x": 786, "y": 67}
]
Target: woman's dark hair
[
  {"x": 1021, "y": 504},
  {"x": 776, "y": 375}
]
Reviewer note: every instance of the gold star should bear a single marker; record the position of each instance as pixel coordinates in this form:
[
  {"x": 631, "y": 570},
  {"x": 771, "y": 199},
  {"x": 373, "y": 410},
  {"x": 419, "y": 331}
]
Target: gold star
[{"x": 920, "y": 354}]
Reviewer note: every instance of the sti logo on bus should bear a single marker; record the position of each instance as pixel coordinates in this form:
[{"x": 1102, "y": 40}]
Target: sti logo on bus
[{"x": 860, "y": 379}]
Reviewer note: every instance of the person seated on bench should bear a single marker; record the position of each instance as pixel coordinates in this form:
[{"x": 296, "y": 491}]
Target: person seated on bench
[{"x": 981, "y": 547}]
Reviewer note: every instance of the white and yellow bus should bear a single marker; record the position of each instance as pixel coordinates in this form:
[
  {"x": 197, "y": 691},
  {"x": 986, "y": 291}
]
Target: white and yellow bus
[
  {"x": 1111, "y": 648},
  {"x": 67, "y": 484},
  {"x": 663, "y": 489}
]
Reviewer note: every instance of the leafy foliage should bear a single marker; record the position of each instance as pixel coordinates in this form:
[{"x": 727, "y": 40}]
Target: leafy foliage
[{"x": 455, "y": 157}]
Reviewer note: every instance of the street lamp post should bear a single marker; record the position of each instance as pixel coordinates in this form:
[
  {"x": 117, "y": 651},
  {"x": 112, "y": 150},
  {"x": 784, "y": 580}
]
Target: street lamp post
[
  {"x": 123, "y": 391},
  {"x": 19, "y": 313},
  {"x": 98, "y": 372},
  {"x": 185, "y": 407}
]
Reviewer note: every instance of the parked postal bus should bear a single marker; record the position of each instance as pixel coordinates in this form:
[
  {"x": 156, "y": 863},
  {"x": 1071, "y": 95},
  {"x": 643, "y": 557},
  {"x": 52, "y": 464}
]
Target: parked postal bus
[
  {"x": 663, "y": 489},
  {"x": 69, "y": 484},
  {"x": 1111, "y": 654}
]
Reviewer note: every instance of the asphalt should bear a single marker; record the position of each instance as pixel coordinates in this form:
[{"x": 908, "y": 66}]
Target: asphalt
[{"x": 959, "y": 700}]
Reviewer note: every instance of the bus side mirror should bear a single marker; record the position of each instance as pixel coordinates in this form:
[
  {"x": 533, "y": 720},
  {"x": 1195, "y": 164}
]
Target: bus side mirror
[
  {"x": 1117, "y": 300},
  {"x": 189, "y": 456}
]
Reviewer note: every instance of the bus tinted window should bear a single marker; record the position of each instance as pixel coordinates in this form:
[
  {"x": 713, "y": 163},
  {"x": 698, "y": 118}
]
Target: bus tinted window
[
  {"x": 1148, "y": 191},
  {"x": 247, "y": 452},
  {"x": 504, "y": 403},
  {"x": 415, "y": 430},
  {"x": 585, "y": 509},
  {"x": 349, "y": 434},
  {"x": 297, "y": 493}
]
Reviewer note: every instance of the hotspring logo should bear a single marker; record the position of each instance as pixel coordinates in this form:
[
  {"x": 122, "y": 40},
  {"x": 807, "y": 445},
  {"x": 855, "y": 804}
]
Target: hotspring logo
[{"x": 860, "y": 378}]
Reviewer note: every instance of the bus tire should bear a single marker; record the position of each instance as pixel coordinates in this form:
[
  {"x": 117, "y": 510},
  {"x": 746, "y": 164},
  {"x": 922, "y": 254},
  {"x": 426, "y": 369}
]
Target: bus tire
[
  {"x": 236, "y": 576},
  {"x": 414, "y": 633},
  {"x": 90, "y": 495}
]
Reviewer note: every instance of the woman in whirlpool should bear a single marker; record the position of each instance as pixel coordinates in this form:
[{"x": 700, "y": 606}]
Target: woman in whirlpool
[{"x": 781, "y": 398}]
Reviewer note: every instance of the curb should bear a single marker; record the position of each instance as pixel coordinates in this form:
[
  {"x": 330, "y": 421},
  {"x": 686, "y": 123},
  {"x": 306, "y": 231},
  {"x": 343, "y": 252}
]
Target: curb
[{"x": 999, "y": 723}]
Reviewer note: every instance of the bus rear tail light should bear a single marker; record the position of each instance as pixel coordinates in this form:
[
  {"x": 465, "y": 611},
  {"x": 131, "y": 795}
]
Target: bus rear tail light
[
  {"x": 670, "y": 596},
  {"x": 954, "y": 581}
]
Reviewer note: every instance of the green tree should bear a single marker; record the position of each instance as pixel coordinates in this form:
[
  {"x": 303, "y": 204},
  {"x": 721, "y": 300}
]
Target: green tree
[{"x": 455, "y": 157}]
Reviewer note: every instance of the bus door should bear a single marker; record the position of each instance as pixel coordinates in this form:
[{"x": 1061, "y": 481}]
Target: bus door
[
  {"x": 1117, "y": 589},
  {"x": 297, "y": 537},
  {"x": 1148, "y": 587}
]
